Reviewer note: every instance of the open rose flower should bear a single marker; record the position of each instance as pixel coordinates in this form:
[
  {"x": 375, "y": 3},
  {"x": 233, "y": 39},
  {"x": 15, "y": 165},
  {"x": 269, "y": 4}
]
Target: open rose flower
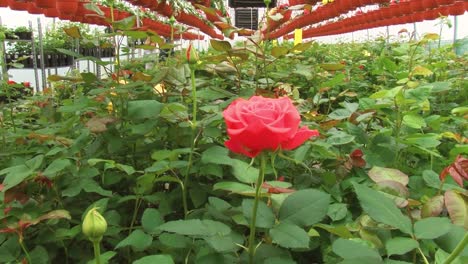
[{"x": 261, "y": 123}]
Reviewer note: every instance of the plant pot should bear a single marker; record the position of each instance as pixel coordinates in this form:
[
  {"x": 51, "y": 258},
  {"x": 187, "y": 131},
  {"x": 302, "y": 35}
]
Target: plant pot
[
  {"x": 416, "y": 6},
  {"x": 457, "y": 9},
  {"x": 429, "y": 4},
  {"x": 24, "y": 35},
  {"x": 44, "y": 3},
  {"x": 68, "y": 7},
  {"x": 445, "y": 2},
  {"x": 51, "y": 12},
  {"x": 19, "y": 6},
  {"x": 33, "y": 9},
  {"x": 66, "y": 16},
  {"x": 444, "y": 10}
]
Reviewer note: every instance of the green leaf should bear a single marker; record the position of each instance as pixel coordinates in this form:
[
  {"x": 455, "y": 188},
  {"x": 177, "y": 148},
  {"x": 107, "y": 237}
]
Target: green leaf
[
  {"x": 40, "y": 255},
  {"x": 151, "y": 220},
  {"x": 142, "y": 109},
  {"x": 421, "y": 71},
  {"x": 174, "y": 240},
  {"x": 15, "y": 175},
  {"x": 94, "y": 7},
  {"x": 340, "y": 114},
  {"x": 73, "y": 32},
  {"x": 265, "y": 216},
  {"x": 223, "y": 243},
  {"x": 340, "y": 230},
  {"x": 88, "y": 77},
  {"x": 244, "y": 172},
  {"x": 392, "y": 261},
  {"x": 457, "y": 208},
  {"x": 354, "y": 249},
  {"x": 450, "y": 241},
  {"x": 305, "y": 207},
  {"x": 337, "y": 211},
  {"x": 414, "y": 121},
  {"x": 55, "y": 167},
  {"x": 217, "y": 155},
  {"x": 332, "y": 66},
  {"x": 195, "y": 227},
  {"x": 380, "y": 174},
  {"x": 88, "y": 185},
  {"x": 125, "y": 24},
  {"x": 279, "y": 260},
  {"x": 400, "y": 245},
  {"x": 138, "y": 240},
  {"x": 279, "y": 51},
  {"x": 429, "y": 140},
  {"x": 220, "y": 45},
  {"x": 431, "y": 227},
  {"x": 105, "y": 257},
  {"x": 340, "y": 138},
  {"x": 381, "y": 208},
  {"x": 35, "y": 162},
  {"x": 433, "y": 207},
  {"x": 302, "y": 46},
  {"x": 174, "y": 112},
  {"x": 153, "y": 259},
  {"x": 234, "y": 187},
  {"x": 289, "y": 236}
]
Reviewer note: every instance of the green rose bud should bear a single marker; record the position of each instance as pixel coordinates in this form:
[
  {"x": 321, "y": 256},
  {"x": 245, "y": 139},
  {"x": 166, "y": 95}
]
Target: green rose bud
[
  {"x": 172, "y": 20},
  {"x": 192, "y": 55},
  {"x": 94, "y": 225},
  {"x": 267, "y": 2}
]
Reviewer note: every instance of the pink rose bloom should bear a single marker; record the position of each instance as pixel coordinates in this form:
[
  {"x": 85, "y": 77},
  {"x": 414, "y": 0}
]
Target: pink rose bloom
[{"x": 261, "y": 123}]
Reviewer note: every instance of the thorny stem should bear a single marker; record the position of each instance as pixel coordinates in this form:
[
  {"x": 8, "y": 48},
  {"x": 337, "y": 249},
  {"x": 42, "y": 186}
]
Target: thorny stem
[
  {"x": 23, "y": 247},
  {"x": 135, "y": 213},
  {"x": 192, "y": 142},
  {"x": 260, "y": 179},
  {"x": 458, "y": 249}
]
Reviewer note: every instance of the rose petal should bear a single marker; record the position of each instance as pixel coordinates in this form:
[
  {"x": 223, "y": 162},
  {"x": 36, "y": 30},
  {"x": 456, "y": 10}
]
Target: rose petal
[
  {"x": 236, "y": 147},
  {"x": 302, "y": 135}
]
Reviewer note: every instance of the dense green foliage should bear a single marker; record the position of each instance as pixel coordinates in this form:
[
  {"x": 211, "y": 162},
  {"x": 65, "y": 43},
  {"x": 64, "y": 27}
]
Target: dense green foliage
[{"x": 136, "y": 146}]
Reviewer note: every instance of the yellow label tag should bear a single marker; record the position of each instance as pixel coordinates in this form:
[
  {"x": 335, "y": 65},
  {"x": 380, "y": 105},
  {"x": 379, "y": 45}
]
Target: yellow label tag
[{"x": 297, "y": 36}]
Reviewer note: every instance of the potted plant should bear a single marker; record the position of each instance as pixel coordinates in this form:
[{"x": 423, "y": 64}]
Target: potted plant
[
  {"x": 9, "y": 34},
  {"x": 23, "y": 33}
]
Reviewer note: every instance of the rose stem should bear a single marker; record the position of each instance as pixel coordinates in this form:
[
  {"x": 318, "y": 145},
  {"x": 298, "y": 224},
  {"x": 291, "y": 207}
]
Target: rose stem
[
  {"x": 261, "y": 175},
  {"x": 192, "y": 142},
  {"x": 457, "y": 250}
]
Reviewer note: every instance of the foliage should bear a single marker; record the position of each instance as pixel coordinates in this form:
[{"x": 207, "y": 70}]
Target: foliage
[{"x": 138, "y": 144}]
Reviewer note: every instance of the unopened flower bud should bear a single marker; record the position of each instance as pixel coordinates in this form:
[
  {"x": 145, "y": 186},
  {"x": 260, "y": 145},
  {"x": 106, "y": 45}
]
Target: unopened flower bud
[
  {"x": 94, "y": 225},
  {"x": 192, "y": 55},
  {"x": 172, "y": 20}
]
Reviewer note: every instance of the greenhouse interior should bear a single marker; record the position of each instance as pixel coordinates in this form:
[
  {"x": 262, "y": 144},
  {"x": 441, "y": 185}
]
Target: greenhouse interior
[{"x": 234, "y": 131}]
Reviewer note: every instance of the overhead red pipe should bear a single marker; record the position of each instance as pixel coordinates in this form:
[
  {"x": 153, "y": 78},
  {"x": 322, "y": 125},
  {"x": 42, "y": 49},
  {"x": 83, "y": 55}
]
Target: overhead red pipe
[
  {"x": 408, "y": 14},
  {"x": 325, "y": 12},
  {"x": 165, "y": 9}
]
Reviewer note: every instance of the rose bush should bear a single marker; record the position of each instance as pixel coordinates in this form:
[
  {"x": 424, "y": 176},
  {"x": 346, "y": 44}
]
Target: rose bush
[{"x": 263, "y": 123}]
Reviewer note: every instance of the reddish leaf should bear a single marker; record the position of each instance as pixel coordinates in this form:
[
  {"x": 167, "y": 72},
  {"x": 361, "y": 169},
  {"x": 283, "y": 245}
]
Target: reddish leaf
[
  {"x": 457, "y": 208},
  {"x": 433, "y": 207},
  {"x": 458, "y": 170},
  {"x": 276, "y": 190},
  {"x": 356, "y": 158}
]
